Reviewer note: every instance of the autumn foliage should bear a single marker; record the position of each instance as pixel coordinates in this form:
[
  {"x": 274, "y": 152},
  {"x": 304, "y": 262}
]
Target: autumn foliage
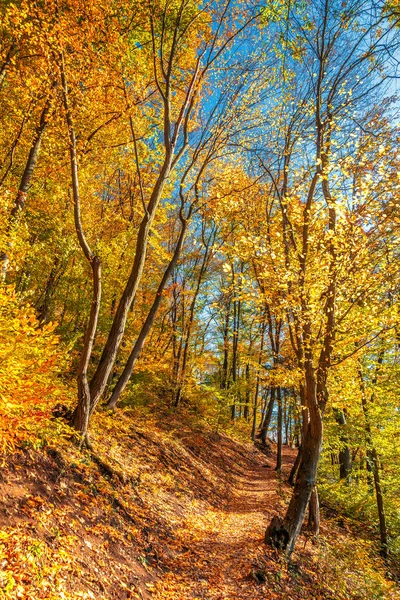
[
  {"x": 199, "y": 230},
  {"x": 29, "y": 364}
]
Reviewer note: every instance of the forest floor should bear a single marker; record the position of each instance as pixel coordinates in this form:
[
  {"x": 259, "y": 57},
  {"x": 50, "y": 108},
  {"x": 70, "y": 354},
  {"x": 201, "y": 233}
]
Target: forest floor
[{"x": 165, "y": 510}]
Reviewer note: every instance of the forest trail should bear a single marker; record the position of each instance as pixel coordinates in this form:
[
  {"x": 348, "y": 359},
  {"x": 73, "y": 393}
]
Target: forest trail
[
  {"x": 221, "y": 548},
  {"x": 167, "y": 511}
]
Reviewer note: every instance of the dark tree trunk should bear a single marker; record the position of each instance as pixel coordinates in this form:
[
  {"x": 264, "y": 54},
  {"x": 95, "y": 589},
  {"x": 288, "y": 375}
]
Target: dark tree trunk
[
  {"x": 344, "y": 452},
  {"x": 278, "y": 467},
  {"x": 380, "y": 504},
  {"x": 283, "y": 533},
  {"x": 313, "y": 512},
  {"x": 19, "y": 202},
  {"x": 182, "y": 374},
  {"x": 26, "y": 179},
  {"x": 43, "y": 305},
  {"x": 225, "y": 364},
  {"x": 286, "y": 416},
  {"x": 255, "y": 406},
  {"x": 315, "y": 395},
  {"x": 246, "y": 412},
  {"x": 100, "y": 378},
  {"x": 373, "y": 459},
  {"x": 267, "y": 418},
  {"x": 235, "y": 340}
]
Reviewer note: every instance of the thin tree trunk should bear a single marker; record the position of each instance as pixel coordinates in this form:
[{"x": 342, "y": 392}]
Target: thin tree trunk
[
  {"x": 6, "y": 63},
  {"x": 144, "y": 332},
  {"x": 174, "y": 328},
  {"x": 235, "y": 335},
  {"x": 286, "y": 416},
  {"x": 19, "y": 201},
  {"x": 225, "y": 364},
  {"x": 255, "y": 406},
  {"x": 267, "y": 418},
  {"x": 313, "y": 512},
  {"x": 278, "y": 467},
  {"x": 246, "y": 411},
  {"x": 344, "y": 452},
  {"x": 82, "y": 412},
  {"x": 177, "y": 357},
  {"x": 99, "y": 380},
  {"x": 374, "y": 464},
  {"x": 189, "y": 327},
  {"x": 43, "y": 304},
  {"x": 26, "y": 179}
]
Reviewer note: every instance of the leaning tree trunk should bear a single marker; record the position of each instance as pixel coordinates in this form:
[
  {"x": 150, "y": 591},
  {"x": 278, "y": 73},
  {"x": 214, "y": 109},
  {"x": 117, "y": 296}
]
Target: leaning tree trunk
[
  {"x": 283, "y": 533},
  {"x": 19, "y": 201},
  {"x": 27, "y": 175},
  {"x": 140, "y": 341}
]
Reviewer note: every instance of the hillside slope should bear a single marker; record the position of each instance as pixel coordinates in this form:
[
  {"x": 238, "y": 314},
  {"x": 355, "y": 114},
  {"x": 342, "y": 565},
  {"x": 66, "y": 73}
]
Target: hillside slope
[{"x": 165, "y": 511}]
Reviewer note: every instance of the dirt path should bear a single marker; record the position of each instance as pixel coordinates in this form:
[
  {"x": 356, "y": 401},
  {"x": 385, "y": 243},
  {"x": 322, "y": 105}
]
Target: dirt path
[{"x": 218, "y": 547}]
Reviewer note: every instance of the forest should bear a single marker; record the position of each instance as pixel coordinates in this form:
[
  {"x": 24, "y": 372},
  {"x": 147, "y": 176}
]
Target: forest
[{"x": 199, "y": 299}]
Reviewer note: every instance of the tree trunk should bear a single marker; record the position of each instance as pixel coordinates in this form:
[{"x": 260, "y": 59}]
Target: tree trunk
[
  {"x": 344, "y": 452},
  {"x": 141, "y": 339},
  {"x": 246, "y": 411},
  {"x": 19, "y": 201},
  {"x": 255, "y": 406},
  {"x": 372, "y": 457},
  {"x": 27, "y": 175},
  {"x": 304, "y": 427},
  {"x": 99, "y": 380},
  {"x": 82, "y": 413},
  {"x": 235, "y": 336},
  {"x": 313, "y": 512},
  {"x": 278, "y": 467},
  {"x": 283, "y": 533},
  {"x": 43, "y": 304},
  {"x": 225, "y": 364},
  {"x": 267, "y": 418},
  {"x": 182, "y": 374},
  {"x": 6, "y": 63},
  {"x": 295, "y": 467}
]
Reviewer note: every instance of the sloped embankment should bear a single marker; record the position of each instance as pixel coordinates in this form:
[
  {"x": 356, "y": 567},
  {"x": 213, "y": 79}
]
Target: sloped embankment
[{"x": 164, "y": 511}]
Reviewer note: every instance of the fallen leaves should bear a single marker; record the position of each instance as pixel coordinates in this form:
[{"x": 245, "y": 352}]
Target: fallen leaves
[{"x": 187, "y": 523}]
